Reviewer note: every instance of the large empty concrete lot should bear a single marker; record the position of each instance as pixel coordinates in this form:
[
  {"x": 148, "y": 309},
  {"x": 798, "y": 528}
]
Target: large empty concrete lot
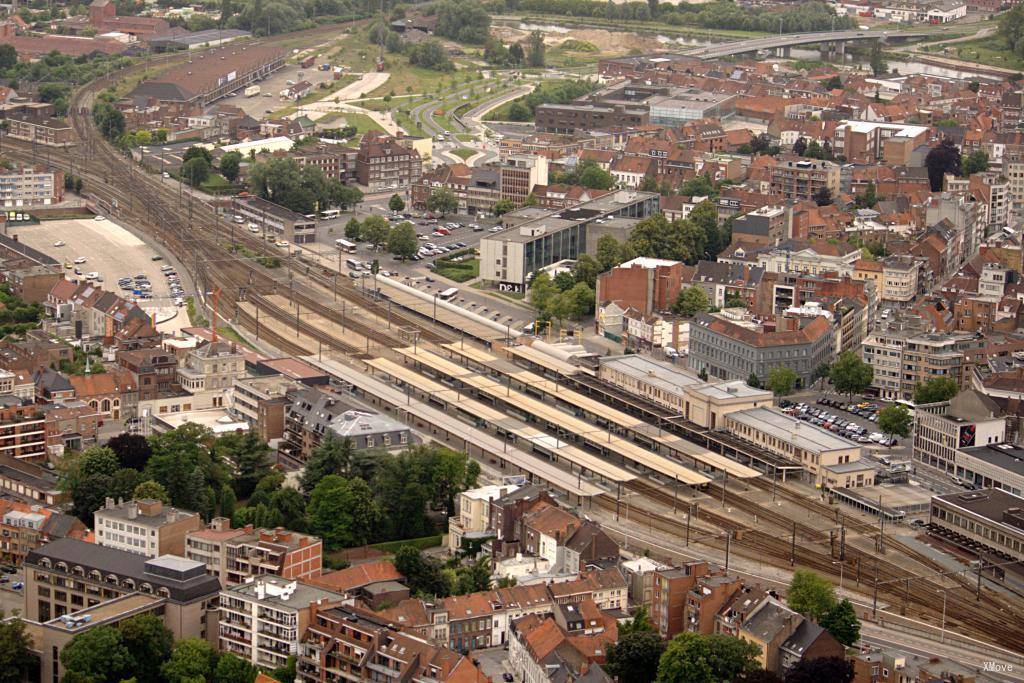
[{"x": 111, "y": 251}]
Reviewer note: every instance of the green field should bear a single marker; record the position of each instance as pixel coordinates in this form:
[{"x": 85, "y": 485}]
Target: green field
[
  {"x": 464, "y": 152},
  {"x": 362, "y": 122},
  {"x": 992, "y": 51},
  {"x": 458, "y": 271}
]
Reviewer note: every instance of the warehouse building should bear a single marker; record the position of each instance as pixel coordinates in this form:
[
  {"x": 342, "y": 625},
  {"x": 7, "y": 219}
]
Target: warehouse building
[{"x": 212, "y": 74}]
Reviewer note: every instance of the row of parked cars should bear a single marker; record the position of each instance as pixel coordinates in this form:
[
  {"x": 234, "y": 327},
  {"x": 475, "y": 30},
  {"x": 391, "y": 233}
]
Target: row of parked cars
[{"x": 836, "y": 424}]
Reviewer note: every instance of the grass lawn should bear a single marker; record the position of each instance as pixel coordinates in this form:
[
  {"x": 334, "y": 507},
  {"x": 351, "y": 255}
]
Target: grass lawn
[
  {"x": 992, "y": 50},
  {"x": 458, "y": 271},
  {"x": 464, "y": 152},
  {"x": 362, "y": 122},
  {"x": 216, "y": 184},
  {"x": 229, "y": 333},
  {"x": 408, "y": 124}
]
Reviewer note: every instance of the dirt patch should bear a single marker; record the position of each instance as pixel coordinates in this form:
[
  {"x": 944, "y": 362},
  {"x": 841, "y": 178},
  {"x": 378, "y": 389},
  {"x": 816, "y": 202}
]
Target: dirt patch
[{"x": 607, "y": 42}]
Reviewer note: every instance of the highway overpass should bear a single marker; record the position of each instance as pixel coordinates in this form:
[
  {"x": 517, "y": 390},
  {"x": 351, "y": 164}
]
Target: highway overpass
[{"x": 782, "y": 42}]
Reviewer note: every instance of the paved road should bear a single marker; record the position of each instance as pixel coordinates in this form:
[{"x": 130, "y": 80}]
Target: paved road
[{"x": 793, "y": 39}]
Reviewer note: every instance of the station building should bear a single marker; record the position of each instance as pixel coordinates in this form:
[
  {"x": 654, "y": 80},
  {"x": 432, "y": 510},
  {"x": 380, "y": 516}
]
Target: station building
[{"x": 990, "y": 520}]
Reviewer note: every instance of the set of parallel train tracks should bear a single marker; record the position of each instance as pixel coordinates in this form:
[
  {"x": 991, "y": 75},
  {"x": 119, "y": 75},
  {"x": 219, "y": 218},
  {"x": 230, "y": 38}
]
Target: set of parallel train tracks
[{"x": 194, "y": 233}]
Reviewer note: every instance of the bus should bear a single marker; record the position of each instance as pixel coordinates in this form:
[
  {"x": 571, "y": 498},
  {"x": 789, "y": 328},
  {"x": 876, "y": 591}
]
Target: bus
[
  {"x": 346, "y": 246},
  {"x": 354, "y": 264},
  {"x": 448, "y": 293},
  {"x": 329, "y": 214}
]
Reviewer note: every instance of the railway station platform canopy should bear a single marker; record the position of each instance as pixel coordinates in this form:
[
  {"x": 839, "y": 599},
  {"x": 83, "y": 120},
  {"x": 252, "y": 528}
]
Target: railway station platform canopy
[
  {"x": 601, "y": 439},
  {"x": 610, "y": 415}
]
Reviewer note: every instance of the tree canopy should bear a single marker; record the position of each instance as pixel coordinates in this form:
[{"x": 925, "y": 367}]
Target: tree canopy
[
  {"x": 697, "y": 658},
  {"x": 895, "y": 420},
  {"x": 850, "y": 375},
  {"x": 810, "y": 593},
  {"x": 691, "y": 301},
  {"x": 781, "y": 380},
  {"x": 935, "y": 390}
]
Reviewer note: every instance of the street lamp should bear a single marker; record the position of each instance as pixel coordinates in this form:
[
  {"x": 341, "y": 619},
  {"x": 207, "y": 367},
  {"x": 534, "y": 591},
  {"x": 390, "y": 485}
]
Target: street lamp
[{"x": 840, "y": 563}]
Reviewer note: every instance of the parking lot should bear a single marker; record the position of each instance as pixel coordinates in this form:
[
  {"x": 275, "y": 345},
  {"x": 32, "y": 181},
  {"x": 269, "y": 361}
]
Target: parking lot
[
  {"x": 269, "y": 100},
  {"x": 837, "y": 415},
  {"x": 111, "y": 252}
]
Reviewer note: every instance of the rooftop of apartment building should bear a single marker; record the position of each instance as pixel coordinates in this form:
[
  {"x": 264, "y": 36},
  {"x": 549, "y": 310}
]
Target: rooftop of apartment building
[
  {"x": 144, "y": 511},
  {"x": 283, "y": 593}
]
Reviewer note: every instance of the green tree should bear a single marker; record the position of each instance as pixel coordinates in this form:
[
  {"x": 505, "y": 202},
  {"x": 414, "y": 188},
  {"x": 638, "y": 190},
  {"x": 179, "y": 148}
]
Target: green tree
[
  {"x": 375, "y": 231},
  {"x": 691, "y": 301},
  {"x": 230, "y": 165},
  {"x": 152, "y": 490},
  {"x": 343, "y": 512},
  {"x": 402, "y": 484},
  {"x": 1011, "y": 29},
  {"x": 195, "y": 171},
  {"x": 975, "y": 162},
  {"x": 402, "y": 240},
  {"x": 535, "y": 57},
  {"x": 132, "y": 450},
  {"x": 832, "y": 83},
  {"x": 15, "y": 643},
  {"x": 634, "y": 658},
  {"x": 608, "y": 251},
  {"x": 942, "y": 159},
  {"x": 233, "y": 669},
  {"x": 831, "y": 669},
  {"x": 184, "y": 465},
  {"x": 841, "y": 621},
  {"x": 422, "y": 574},
  {"x": 595, "y": 177},
  {"x": 868, "y": 199},
  {"x": 430, "y": 54},
  {"x": 810, "y": 593},
  {"x": 543, "y": 294},
  {"x": 781, "y": 380},
  {"x": 150, "y": 642},
  {"x": 353, "y": 229},
  {"x": 396, "y": 203},
  {"x": 98, "y": 654},
  {"x": 705, "y": 217},
  {"x": 697, "y": 658},
  {"x": 894, "y": 420},
  {"x": 227, "y": 501},
  {"x": 191, "y": 661},
  {"x": 451, "y": 473},
  {"x": 249, "y": 457},
  {"x": 474, "y": 577},
  {"x": 516, "y": 54},
  {"x": 502, "y": 206},
  {"x": 850, "y": 375},
  {"x": 8, "y": 56},
  {"x": 754, "y": 381},
  {"x": 823, "y": 197},
  {"x": 331, "y": 456},
  {"x": 466, "y": 22},
  {"x": 286, "y": 673},
  {"x": 877, "y": 58},
  {"x": 640, "y": 623},
  {"x": 935, "y": 390},
  {"x": 442, "y": 201}
]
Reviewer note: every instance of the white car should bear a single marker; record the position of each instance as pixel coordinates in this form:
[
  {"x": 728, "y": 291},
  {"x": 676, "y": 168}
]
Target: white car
[
  {"x": 100, "y": 218},
  {"x": 281, "y": 243},
  {"x": 253, "y": 229},
  {"x": 59, "y": 243},
  {"x": 80, "y": 260},
  {"x": 92, "y": 276}
]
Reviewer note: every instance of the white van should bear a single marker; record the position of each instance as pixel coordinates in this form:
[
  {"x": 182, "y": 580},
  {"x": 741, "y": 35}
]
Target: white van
[{"x": 671, "y": 352}]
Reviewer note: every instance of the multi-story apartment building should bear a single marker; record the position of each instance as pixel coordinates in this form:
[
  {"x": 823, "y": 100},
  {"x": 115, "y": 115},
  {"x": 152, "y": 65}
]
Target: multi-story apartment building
[
  {"x": 31, "y": 187},
  {"x": 964, "y": 217},
  {"x": 900, "y": 280},
  {"x": 474, "y": 518},
  {"x": 215, "y": 365},
  {"x": 261, "y": 401},
  {"x": 263, "y": 621},
  {"x": 766, "y": 225},
  {"x": 804, "y": 178},
  {"x": 730, "y": 350},
  {"x": 24, "y": 528},
  {"x": 337, "y": 162},
  {"x": 902, "y": 356},
  {"x": 347, "y": 643},
  {"x": 582, "y": 117},
  {"x": 384, "y": 163},
  {"x": 671, "y": 588},
  {"x": 518, "y": 174},
  {"x": 273, "y": 221},
  {"x": 68, "y": 575},
  {"x": 43, "y": 131},
  {"x": 145, "y": 527},
  {"x": 993, "y": 191},
  {"x": 869, "y": 141},
  {"x": 155, "y": 371},
  {"x": 23, "y": 432},
  {"x": 237, "y": 555}
]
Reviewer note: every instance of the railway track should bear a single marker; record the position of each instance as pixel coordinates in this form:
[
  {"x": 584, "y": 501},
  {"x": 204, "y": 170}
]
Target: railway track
[{"x": 193, "y": 232}]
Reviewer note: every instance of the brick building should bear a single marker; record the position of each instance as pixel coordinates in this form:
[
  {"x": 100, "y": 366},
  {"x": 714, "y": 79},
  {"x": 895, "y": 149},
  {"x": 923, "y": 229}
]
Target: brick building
[
  {"x": 804, "y": 178},
  {"x": 646, "y": 284},
  {"x": 384, "y": 163},
  {"x": 236, "y": 555}
]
